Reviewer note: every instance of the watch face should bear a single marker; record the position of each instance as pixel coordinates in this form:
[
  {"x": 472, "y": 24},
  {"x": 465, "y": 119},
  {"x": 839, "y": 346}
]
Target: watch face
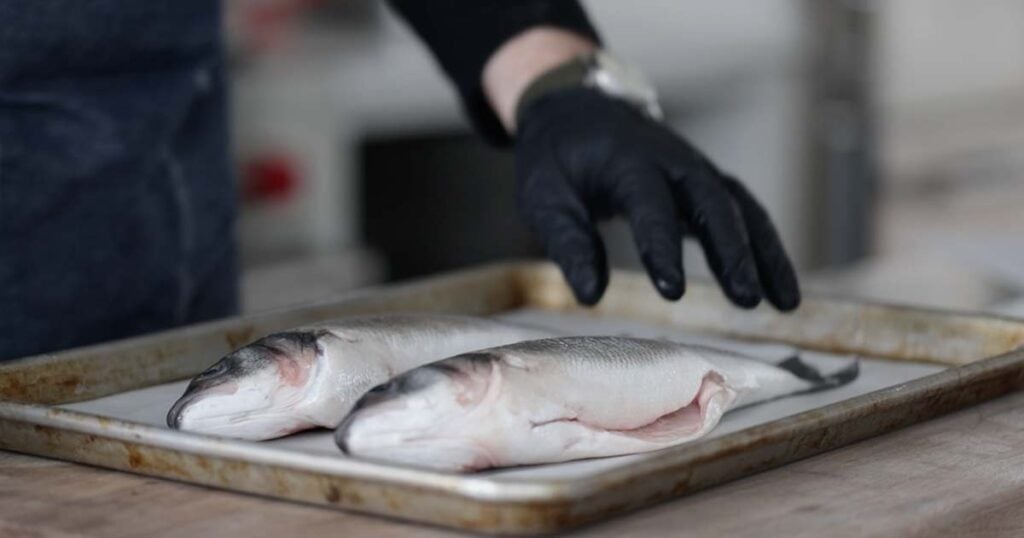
[{"x": 621, "y": 80}]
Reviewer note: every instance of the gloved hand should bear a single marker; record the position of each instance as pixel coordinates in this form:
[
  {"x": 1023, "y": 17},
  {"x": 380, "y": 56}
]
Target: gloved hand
[{"x": 583, "y": 156}]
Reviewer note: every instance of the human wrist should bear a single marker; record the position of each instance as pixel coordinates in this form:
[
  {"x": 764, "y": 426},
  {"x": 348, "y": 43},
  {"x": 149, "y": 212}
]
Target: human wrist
[{"x": 524, "y": 58}]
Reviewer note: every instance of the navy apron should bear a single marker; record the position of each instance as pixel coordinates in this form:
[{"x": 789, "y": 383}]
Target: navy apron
[{"x": 117, "y": 203}]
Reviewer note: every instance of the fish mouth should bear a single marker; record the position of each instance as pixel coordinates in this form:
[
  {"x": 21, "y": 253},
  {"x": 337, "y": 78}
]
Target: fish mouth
[
  {"x": 193, "y": 393},
  {"x": 176, "y": 411},
  {"x": 341, "y": 434},
  {"x": 175, "y": 419},
  {"x": 377, "y": 394}
]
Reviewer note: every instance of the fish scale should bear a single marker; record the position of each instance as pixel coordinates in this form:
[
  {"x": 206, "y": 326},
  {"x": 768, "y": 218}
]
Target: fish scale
[{"x": 560, "y": 399}]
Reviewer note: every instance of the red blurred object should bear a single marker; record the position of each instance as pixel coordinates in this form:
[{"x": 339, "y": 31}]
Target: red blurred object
[
  {"x": 269, "y": 178},
  {"x": 266, "y": 24}
]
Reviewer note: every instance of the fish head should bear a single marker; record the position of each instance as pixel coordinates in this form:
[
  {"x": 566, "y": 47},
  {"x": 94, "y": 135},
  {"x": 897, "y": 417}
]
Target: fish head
[
  {"x": 253, "y": 392},
  {"x": 416, "y": 417}
]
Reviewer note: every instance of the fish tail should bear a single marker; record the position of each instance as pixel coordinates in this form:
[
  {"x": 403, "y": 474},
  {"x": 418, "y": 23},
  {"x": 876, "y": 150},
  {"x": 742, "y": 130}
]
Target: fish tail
[{"x": 819, "y": 382}]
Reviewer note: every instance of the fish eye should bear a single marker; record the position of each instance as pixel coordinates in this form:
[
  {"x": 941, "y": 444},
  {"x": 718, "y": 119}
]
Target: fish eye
[
  {"x": 380, "y": 388},
  {"x": 218, "y": 368}
]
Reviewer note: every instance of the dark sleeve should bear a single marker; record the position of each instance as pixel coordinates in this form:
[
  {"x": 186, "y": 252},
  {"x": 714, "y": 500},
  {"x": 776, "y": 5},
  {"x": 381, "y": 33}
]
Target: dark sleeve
[{"x": 463, "y": 34}]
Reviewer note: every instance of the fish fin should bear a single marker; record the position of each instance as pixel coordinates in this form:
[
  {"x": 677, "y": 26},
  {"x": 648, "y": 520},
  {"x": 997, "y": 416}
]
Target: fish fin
[{"x": 796, "y": 366}]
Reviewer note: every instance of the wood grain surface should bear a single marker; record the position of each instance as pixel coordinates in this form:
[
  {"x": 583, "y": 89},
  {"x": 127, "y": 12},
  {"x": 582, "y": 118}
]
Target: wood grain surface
[{"x": 960, "y": 475}]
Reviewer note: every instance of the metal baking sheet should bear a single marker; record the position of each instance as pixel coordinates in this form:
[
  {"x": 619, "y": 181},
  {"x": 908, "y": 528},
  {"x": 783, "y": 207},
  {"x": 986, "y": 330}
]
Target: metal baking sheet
[
  {"x": 150, "y": 405},
  {"x": 104, "y": 405}
]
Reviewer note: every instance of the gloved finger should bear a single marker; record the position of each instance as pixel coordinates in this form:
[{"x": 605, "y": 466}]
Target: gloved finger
[
  {"x": 643, "y": 195},
  {"x": 778, "y": 279},
  {"x": 558, "y": 216},
  {"x": 713, "y": 216}
]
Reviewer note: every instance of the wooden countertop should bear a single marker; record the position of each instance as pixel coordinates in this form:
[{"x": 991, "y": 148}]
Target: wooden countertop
[{"x": 959, "y": 475}]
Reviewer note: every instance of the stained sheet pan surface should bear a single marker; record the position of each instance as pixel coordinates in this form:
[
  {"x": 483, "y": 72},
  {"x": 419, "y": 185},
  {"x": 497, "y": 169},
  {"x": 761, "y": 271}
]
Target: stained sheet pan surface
[{"x": 906, "y": 377}]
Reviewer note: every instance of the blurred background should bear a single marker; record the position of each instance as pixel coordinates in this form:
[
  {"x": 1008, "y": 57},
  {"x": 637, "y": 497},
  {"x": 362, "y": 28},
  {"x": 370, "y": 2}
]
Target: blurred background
[{"x": 886, "y": 139}]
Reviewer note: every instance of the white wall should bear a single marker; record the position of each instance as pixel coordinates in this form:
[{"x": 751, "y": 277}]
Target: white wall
[{"x": 939, "y": 50}]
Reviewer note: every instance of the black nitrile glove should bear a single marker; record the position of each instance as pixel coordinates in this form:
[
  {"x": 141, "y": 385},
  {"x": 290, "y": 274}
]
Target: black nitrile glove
[{"x": 583, "y": 156}]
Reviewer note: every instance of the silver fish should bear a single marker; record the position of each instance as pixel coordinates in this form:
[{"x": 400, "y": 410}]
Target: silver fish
[
  {"x": 562, "y": 399},
  {"x": 312, "y": 376}
]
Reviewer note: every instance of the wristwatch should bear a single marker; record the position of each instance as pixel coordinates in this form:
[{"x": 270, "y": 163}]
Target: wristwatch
[{"x": 601, "y": 71}]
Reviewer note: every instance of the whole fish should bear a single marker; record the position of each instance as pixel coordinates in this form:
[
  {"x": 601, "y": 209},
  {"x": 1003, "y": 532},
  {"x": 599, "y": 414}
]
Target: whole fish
[
  {"x": 312, "y": 376},
  {"x": 562, "y": 399}
]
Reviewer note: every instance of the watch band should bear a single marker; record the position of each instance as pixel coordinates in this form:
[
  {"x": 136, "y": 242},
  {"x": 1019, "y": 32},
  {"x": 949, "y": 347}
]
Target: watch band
[
  {"x": 594, "y": 70},
  {"x": 570, "y": 74}
]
